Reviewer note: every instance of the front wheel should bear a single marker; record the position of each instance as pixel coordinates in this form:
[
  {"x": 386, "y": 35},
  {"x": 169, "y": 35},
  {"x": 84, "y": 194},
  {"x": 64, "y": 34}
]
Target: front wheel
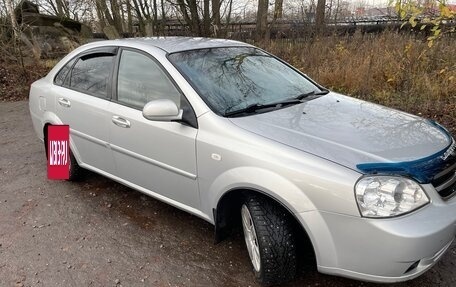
[{"x": 270, "y": 240}]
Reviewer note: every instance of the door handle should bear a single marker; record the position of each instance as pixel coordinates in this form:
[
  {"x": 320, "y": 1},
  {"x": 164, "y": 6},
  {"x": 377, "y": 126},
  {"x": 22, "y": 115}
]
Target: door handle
[
  {"x": 64, "y": 102},
  {"x": 121, "y": 122}
]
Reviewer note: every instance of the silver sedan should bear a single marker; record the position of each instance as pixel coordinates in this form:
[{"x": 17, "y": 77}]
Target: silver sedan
[{"x": 236, "y": 136}]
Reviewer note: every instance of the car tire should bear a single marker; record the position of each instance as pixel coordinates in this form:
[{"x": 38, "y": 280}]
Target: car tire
[
  {"x": 76, "y": 172},
  {"x": 270, "y": 240}
]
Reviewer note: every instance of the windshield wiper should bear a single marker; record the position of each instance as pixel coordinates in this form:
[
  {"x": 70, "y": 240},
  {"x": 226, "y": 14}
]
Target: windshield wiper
[
  {"x": 309, "y": 94},
  {"x": 251, "y": 109},
  {"x": 255, "y": 107}
]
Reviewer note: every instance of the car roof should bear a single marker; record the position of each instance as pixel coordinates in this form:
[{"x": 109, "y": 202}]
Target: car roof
[{"x": 177, "y": 44}]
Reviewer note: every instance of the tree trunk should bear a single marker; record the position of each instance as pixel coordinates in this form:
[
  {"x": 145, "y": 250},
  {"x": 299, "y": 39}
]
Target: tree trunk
[
  {"x": 155, "y": 16},
  {"x": 196, "y": 27},
  {"x": 216, "y": 16},
  {"x": 183, "y": 8},
  {"x": 278, "y": 10},
  {"x": 336, "y": 14},
  {"x": 206, "y": 18},
  {"x": 262, "y": 20},
  {"x": 122, "y": 15},
  {"x": 105, "y": 12},
  {"x": 115, "y": 9},
  {"x": 163, "y": 17},
  {"x": 142, "y": 26},
  {"x": 9, "y": 7},
  {"x": 129, "y": 18},
  {"x": 145, "y": 9},
  {"x": 62, "y": 9},
  {"x": 329, "y": 11},
  {"x": 59, "y": 5},
  {"x": 228, "y": 15},
  {"x": 320, "y": 16},
  {"x": 101, "y": 18}
]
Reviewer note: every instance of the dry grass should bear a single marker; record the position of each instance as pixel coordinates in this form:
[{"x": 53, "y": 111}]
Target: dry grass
[
  {"x": 392, "y": 69},
  {"x": 396, "y": 70}
]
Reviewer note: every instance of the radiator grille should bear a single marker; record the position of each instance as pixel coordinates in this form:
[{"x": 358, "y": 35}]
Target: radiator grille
[{"x": 445, "y": 182}]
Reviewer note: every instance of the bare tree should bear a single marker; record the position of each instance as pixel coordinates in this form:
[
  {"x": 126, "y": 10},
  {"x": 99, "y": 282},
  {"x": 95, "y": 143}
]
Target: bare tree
[
  {"x": 206, "y": 18},
  {"x": 228, "y": 14},
  {"x": 216, "y": 16},
  {"x": 189, "y": 11},
  {"x": 115, "y": 10},
  {"x": 163, "y": 16},
  {"x": 18, "y": 35},
  {"x": 12, "y": 15},
  {"x": 104, "y": 13},
  {"x": 320, "y": 15},
  {"x": 278, "y": 9},
  {"x": 129, "y": 17},
  {"x": 262, "y": 19},
  {"x": 74, "y": 9},
  {"x": 155, "y": 16}
]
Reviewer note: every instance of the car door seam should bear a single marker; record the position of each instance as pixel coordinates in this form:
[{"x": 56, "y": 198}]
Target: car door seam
[{"x": 154, "y": 162}]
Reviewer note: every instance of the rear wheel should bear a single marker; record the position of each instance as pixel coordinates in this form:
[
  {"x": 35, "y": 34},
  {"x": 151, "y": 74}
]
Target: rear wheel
[
  {"x": 76, "y": 172},
  {"x": 270, "y": 240}
]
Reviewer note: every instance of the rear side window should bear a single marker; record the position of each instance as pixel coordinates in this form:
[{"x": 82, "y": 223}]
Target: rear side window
[
  {"x": 91, "y": 74},
  {"x": 63, "y": 73}
]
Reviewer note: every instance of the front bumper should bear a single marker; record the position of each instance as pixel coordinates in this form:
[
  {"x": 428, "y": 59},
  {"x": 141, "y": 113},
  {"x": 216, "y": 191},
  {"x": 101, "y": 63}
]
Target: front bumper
[{"x": 382, "y": 250}]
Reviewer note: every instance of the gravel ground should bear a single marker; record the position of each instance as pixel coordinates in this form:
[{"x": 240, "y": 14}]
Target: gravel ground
[{"x": 100, "y": 233}]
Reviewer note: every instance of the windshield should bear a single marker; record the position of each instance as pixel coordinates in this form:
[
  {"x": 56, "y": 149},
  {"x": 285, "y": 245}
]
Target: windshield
[{"x": 231, "y": 79}]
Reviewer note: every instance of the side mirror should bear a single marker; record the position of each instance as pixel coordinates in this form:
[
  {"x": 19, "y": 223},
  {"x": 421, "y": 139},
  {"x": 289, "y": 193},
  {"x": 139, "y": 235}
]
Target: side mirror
[{"x": 162, "y": 110}]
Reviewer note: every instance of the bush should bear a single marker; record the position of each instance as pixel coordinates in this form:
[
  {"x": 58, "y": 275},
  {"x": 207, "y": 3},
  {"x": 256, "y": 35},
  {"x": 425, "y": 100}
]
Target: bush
[{"x": 397, "y": 70}]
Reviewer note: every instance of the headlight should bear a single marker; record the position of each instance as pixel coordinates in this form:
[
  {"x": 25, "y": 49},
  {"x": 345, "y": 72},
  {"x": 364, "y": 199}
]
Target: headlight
[{"x": 387, "y": 196}]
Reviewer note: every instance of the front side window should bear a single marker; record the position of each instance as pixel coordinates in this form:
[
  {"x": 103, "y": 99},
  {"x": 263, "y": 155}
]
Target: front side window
[
  {"x": 91, "y": 74},
  {"x": 141, "y": 80},
  {"x": 231, "y": 79}
]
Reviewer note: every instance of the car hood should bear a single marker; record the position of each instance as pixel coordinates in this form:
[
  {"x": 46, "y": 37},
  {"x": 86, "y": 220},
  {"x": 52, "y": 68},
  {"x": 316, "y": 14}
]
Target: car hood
[{"x": 349, "y": 132}]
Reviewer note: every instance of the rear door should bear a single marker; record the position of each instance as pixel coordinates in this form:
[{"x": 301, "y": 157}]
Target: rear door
[
  {"x": 157, "y": 156},
  {"x": 83, "y": 89}
]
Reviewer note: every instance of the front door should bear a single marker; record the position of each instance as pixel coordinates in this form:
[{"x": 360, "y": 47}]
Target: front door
[{"x": 157, "y": 156}]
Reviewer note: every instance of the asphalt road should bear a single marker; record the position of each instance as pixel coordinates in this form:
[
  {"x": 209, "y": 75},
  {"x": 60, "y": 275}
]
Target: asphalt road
[{"x": 100, "y": 233}]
